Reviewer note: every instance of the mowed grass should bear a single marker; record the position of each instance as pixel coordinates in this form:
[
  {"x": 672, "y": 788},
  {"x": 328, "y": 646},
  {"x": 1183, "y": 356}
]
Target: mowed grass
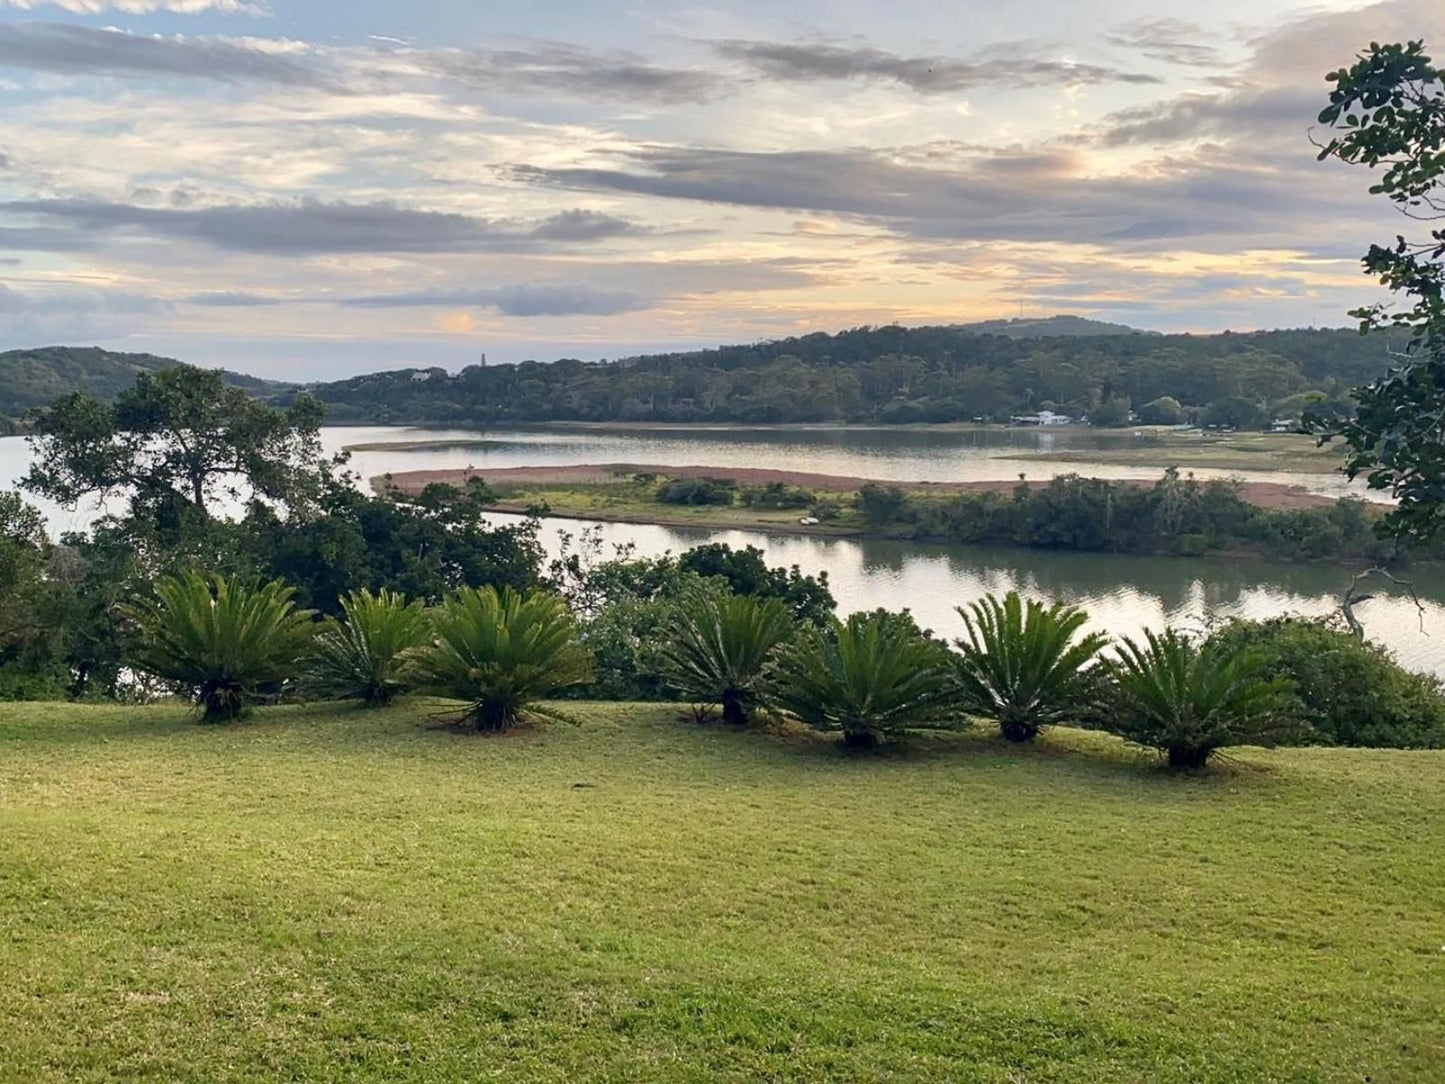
[{"x": 338, "y": 895}]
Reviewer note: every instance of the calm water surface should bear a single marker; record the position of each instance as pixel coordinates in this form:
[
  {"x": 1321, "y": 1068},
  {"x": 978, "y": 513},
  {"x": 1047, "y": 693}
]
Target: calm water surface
[{"x": 1124, "y": 595}]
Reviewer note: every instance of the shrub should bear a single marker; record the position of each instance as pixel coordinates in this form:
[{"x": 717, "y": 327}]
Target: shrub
[
  {"x": 502, "y": 653},
  {"x": 718, "y": 650},
  {"x": 696, "y": 491},
  {"x": 367, "y": 656},
  {"x": 1022, "y": 664},
  {"x": 870, "y": 678},
  {"x": 1187, "y": 702},
  {"x": 777, "y": 495},
  {"x": 747, "y": 573},
  {"x": 224, "y": 641},
  {"x": 1349, "y": 692},
  {"x": 627, "y": 631}
]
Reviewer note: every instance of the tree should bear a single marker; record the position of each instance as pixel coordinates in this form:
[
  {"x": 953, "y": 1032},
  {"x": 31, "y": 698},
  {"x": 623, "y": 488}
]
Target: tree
[
  {"x": 1235, "y": 412},
  {"x": 1023, "y": 664},
  {"x": 1389, "y": 108},
  {"x": 1166, "y": 410},
  {"x": 881, "y": 505},
  {"x": 747, "y": 573},
  {"x": 1112, "y": 413},
  {"x": 179, "y": 446}
]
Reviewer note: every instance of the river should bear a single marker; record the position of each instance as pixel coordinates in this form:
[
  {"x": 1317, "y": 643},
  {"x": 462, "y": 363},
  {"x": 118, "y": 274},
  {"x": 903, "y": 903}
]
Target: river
[{"x": 1123, "y": 595}]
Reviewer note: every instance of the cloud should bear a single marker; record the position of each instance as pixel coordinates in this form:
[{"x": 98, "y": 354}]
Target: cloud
[
  {"x": 1031, "y": 196},
  {"x": 83, "y": 50},
  {"x": 233, "y": 299},
  {"x": 143, "y": 7},
  {"x": 520, "y": 300},
  {"x": 1171, "y": 41},
  {"x": 553, "y": 68},
  {"x": 69, "y": 314},
  {"x": 312, "y": 227},
  {"x": 801, "y": 62}
]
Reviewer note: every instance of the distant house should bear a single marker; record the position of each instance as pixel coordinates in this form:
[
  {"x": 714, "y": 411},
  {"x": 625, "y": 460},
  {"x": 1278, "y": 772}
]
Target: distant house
[
  {"x": 1283, "y": 425},
  {"x": 1043, "y": 417}
]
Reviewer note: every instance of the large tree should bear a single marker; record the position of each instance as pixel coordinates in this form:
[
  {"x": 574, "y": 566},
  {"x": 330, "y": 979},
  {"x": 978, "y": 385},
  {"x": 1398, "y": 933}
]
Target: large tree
[
  {"x": 180, "y": 446},
  {"x": 1388, "y": 113}
]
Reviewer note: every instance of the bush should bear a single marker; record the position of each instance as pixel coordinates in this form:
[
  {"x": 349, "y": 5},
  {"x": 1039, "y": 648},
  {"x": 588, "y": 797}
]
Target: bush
[
  {"x": 777, "y": 495},
  {"x": 1188, "y": 702},
  {"x": 1166, "y": 410},
  {"x": 747, "y": 573},
  {"x": 225, "y": 642},
  {"x": 629, "y": 628},
  {"x": 1347, "y": 691},
  {"x": 718, "y": 650},
  {"x": 1022, "y": 666},
  {"x": 870, "y": 678},
  {"x": 696, "y": 491},
  {"x": 367, "y": 656},
  {"x": 502, "y": 653}
]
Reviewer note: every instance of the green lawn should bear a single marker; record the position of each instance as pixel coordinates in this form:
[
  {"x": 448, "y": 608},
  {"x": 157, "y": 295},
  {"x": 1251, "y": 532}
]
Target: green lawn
[{"x": 333, "y": 895}]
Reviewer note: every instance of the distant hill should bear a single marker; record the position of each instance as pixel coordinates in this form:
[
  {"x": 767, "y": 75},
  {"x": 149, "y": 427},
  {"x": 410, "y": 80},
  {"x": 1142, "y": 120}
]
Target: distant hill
[
  {"x": 36, "y": 378},
  {"x": 1050, "y": 327},
  {"x": 894, "y": 375}
]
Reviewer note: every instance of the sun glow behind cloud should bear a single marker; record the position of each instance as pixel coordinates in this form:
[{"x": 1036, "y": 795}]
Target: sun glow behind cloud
[{"x": 195, "y": 190}]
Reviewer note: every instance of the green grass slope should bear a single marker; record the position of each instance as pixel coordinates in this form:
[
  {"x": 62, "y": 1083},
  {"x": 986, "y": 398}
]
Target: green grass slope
[{"x": 334, "y": 895}]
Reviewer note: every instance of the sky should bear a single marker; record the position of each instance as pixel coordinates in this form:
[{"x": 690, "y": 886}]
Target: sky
[{"x": 308, "y": 189}]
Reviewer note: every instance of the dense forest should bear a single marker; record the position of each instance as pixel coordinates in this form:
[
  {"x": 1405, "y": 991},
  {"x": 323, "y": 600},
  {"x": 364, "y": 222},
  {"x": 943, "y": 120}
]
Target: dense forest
[
  {"x": 898, "y": 375},
  {"x": 871, "y": 374}
]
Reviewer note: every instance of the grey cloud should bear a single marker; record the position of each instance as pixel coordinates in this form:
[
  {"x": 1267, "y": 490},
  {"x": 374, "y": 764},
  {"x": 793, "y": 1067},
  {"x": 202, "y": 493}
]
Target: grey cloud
[
  {"x": 1172, "y": 41},
  {"x": 228, "y": 299},
  {"x": 552, "y": 68},
  {"x": 312, "y": 227},
  {"x": 82, "y": 50},
  {"x": 520, "y": 300},
  {"x": 1284, "y": 112},
  {"x": 1003, "y": 197},
  {"x": 810, "y": 62}
]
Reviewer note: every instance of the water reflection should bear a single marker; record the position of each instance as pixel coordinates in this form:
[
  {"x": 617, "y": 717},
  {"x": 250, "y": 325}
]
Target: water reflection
[{"x": 1124, "y": 594}]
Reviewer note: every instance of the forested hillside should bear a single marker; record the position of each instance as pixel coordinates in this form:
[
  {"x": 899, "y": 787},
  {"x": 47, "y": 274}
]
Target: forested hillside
[
  {"x": 894, "y": 375},
  {"x": 36, "y": 378},
  {"x": 882, "y": 374}
]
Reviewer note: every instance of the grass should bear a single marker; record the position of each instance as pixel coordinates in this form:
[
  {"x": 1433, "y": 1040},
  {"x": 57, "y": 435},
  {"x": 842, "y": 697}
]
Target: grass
[
  {"x": 1242, "y": 451},
  {"x": 330, "y": 894}
]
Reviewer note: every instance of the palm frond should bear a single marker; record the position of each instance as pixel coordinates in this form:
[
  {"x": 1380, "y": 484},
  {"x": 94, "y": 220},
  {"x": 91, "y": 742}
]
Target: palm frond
[
  {"x": 502, "y": 652},
  {"x": 1023, "y": 664},
  {"x": 719, "y": 648},
  {"x": 369, "y": 655},
  {"x": 871, "y": 678},
  {"x": 223, "y": 640}
]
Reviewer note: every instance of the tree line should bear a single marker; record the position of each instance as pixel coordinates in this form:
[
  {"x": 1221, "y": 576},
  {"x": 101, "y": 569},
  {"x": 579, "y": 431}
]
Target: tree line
[{"x": 899, "y": 375}]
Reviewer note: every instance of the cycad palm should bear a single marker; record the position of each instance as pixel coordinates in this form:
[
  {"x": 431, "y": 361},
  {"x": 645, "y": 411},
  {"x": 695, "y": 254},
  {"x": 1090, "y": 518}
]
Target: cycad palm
[
  {"x": 871, "y": 677},
  {"x": 367, "y": 656},
  {"x": 226, "y": 641},
  {"x": 1023, "y": 664},
  {"x": 718, "y": 650},
  {"x": 502, "y": 653},
  {"x": 1187, "y": 701}
]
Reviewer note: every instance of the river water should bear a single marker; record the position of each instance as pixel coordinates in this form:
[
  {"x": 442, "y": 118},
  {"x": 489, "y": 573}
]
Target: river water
[{"x": 1123, "y": 594}]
